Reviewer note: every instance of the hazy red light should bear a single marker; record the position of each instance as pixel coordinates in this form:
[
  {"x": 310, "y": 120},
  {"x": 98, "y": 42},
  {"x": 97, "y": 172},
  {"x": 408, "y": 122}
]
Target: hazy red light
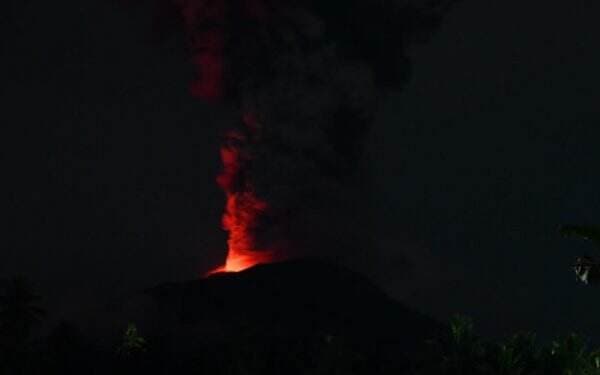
[
  {"x": 204, "y": 21},
  {"x": 242, "y": 208}
]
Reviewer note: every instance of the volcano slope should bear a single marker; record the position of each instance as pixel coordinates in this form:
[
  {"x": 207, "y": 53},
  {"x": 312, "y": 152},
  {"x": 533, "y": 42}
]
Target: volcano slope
[{"x": 294, "y": 317}]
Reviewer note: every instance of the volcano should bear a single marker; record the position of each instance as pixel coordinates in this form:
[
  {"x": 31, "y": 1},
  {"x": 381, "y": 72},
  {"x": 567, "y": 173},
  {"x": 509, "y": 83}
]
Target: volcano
[{"x": 283, "y": 315}]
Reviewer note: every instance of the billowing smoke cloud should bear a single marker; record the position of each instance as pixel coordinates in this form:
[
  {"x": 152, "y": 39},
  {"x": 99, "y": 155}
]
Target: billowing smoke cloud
[{"x": 305, "y": 76}]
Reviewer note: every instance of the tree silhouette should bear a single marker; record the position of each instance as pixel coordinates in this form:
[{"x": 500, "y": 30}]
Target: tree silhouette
[
  {"x": 132, "y": 343},
  {"x": 587, "y": 269},
  {"x": 18, "y": 311}
]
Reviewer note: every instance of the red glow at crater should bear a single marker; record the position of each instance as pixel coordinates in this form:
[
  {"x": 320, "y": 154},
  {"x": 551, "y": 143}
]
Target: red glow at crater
[
  {"x": 243, "y": 207},
  {"x": 205, "y": 22}
]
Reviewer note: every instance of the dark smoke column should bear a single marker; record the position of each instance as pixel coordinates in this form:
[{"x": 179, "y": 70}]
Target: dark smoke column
[{"x": 304, "y": 76}]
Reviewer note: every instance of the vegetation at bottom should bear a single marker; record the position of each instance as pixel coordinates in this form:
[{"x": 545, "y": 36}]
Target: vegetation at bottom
[
  {"x": 459, "y": 351},
  {"x": 463, "y": 352}
]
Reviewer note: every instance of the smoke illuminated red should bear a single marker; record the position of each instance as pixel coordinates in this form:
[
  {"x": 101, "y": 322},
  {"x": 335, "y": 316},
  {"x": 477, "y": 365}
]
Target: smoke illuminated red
[
  {"x": 243, "y": 207},
  {"x": 303, "y": 76},
  {"x": 210, "y": 85},
  {"x": 206, "y": 44},
  {"x": 204, "y": 22}
]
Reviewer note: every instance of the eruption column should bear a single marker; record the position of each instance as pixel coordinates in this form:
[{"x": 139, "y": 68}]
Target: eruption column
[
  {"x": 306, "y": 75},
  {"x": 205, "y": 22},
  {"x": 243, "y": 208}
]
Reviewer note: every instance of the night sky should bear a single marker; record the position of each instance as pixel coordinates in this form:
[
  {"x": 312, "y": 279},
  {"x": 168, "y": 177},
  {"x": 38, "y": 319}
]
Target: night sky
[{"x": 109, "y": 183}]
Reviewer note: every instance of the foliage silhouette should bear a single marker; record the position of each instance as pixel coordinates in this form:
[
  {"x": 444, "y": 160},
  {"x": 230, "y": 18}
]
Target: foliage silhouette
[
  {"x": 461, "y": 351},
  {"x": 586, "y": 232},
  {"x": 587, "y": 269},
  {"x": 132, "y": 344},
  {"x": 19, "y": 310}
]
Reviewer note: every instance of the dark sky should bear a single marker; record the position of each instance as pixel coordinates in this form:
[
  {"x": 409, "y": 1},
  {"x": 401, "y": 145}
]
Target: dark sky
[{"x": 111, "y": 164}]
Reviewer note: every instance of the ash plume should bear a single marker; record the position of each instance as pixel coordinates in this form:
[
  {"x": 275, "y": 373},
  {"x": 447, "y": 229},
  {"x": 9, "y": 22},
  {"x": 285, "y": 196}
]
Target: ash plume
[{"x": 305, "y": 76}]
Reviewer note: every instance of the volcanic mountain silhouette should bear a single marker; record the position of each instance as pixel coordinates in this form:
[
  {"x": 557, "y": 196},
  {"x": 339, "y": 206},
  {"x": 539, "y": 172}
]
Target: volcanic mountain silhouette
[
  {"x": 274, "y": 307},
  {"x": 292, "y": 297}
]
